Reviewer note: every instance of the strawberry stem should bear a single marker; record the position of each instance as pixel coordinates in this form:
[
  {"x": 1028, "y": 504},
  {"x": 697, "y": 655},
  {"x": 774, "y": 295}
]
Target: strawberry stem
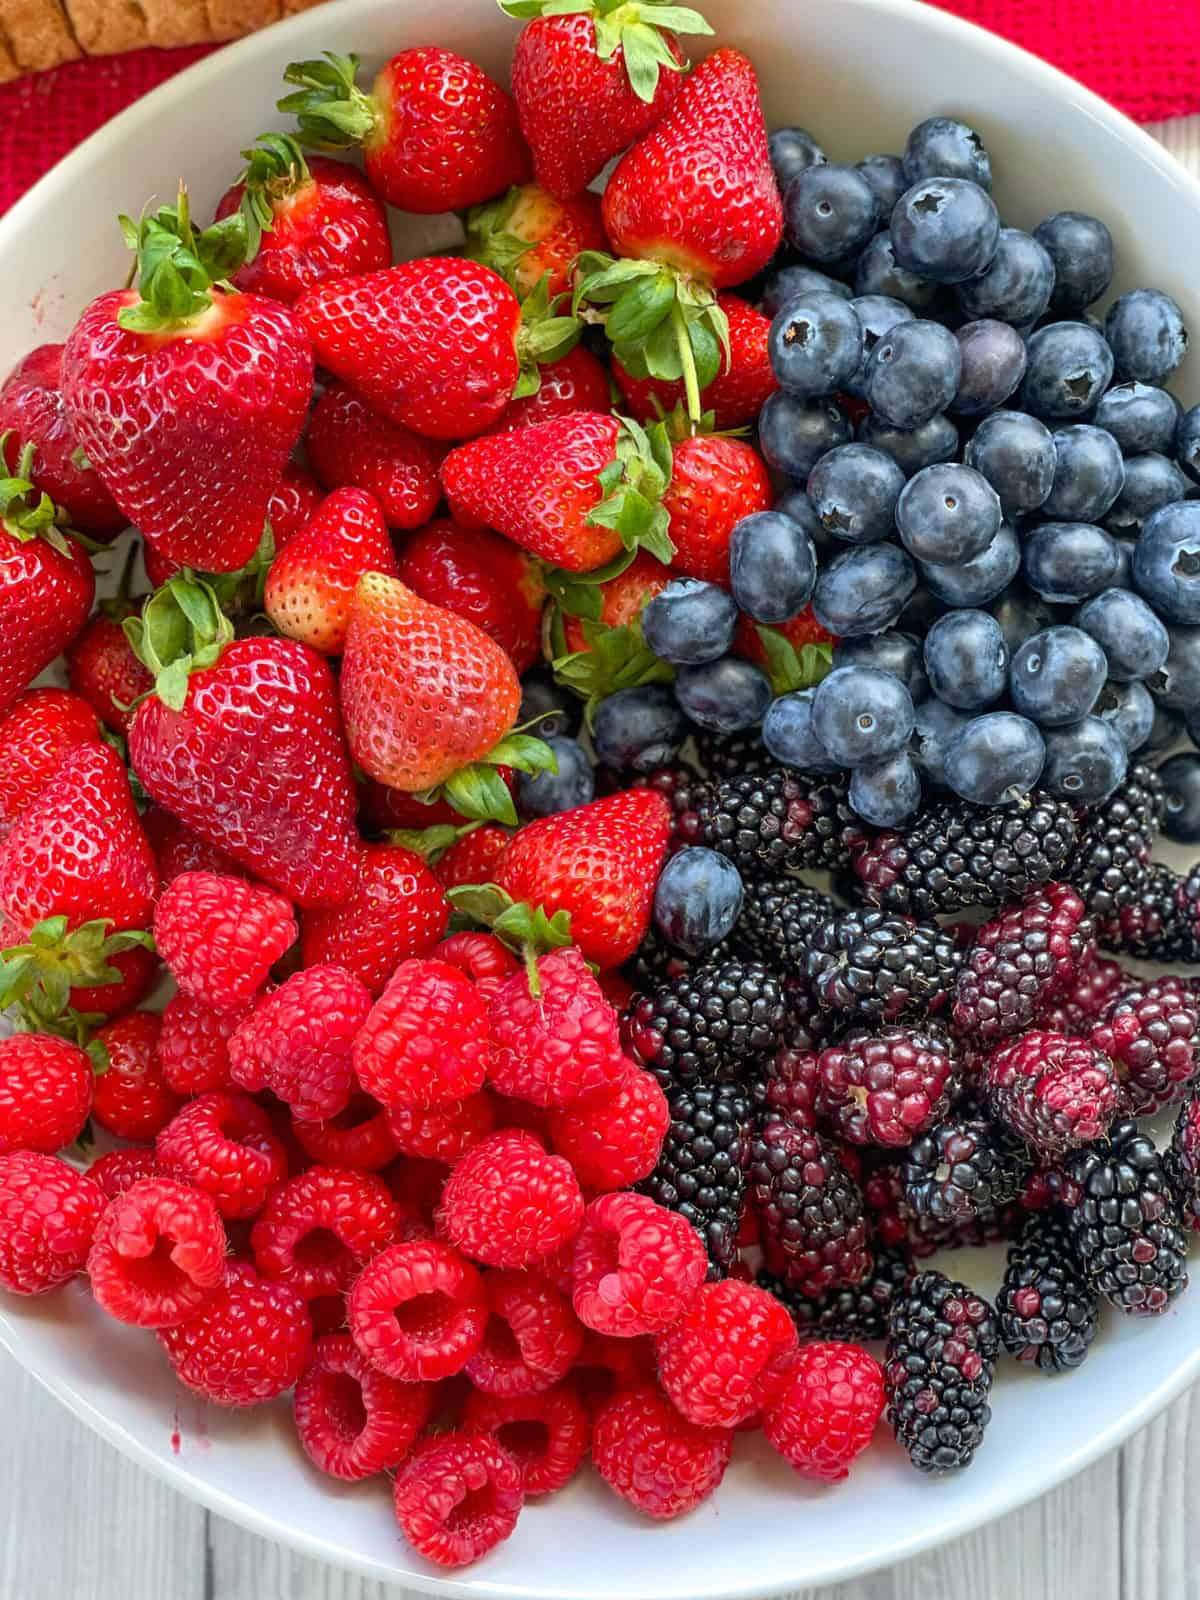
[
  {"x": 333, "y": 113},
  {"x": 178, "y": 268},
  {"x": 687, "y": 360}
]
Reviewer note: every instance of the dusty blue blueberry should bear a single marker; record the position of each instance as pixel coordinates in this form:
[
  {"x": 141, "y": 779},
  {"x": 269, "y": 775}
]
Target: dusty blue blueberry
[
  {"x": 1015, "y": 453},
  {"x": 862, "y": 714},
  {"x": 885, "y": 174},
  {"x": 544, "y": 794},
  {"x": 934, "y": 725},
  {"x": 966, "y": 659},
  {"x": 946, "y": 229},
  {"x": 1146, "y": 333},
  {"x": 1129, "y": 709},
  {"x": 940, "y": 147},
  {"x": 1021, "y": 614},
  {"x": 1181, "y": 780},
  {"x": 1167, "y": 729},
  {"x": 863, "y": 590},
  {"x": 788, "y": 734},
  {"x": 1140, "y": 417},
  {"x": 1151, "y": 482},
  {"x": 772, "y": 566},
  {"x": 698, "y": 899},
  {"x": 792, "y": 501},
  {"x": 787, "y": 283},
  {"x": 853, "y": 491},
  {"x": 1068, "y": 562},
  {"x": 1016, "y": 284},
  {"x": 993, "y": 364},
  {"x": 793, "y": 150},
  {"x": 913, "y": 372},
  {"x": 893, "y": 651},
  {"x": 1089, "y": 474},
  {"x": 1187, "y": 442},
  {"x": 948, "y": 514},
  {"x": 547, "y": 709},
  {"x": 878, "y": 272},
  {"x": 794, "y": 433},
  {"x": 1177, "y": 683},
  {"x": 815, "y": 344},
  {"x": 994, "y": 759},
  {"x": 829, "y": 211},
  {"x": 638, "y": 729},
  {"x": 911, "y": 448},
  {"x": 878, "y": 314},
  {"x": 1081, "y": 249},
  {"x": 1084, "y": 762},
  {"x": 886, "y": 793},
  {"x": 1070, "y": 366},
  {"x": 1129, "y": 632},
  {"x": 724, "y": 696},
  {"x": 977, "y": 582},
  {"x": 1056, "y": 675},
  {"x": 1166, "y": 562},
  {"x": 690, "y": 621}
]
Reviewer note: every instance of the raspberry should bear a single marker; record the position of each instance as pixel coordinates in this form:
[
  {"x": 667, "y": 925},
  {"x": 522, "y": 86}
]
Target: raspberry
[
  {"x": 45, "y": 1092},
  {"x": 158, "y": 1254},
  {"x": 636, "y": 1266},
  {"x": 607, "y": 1364},
  {"x": 457, "y": 1497},
  {"x": 546, "y": 1434},
  {"x": 297, "y": 1042},
  {"x": 1025, "y": 958},
  {"x": 445, "y": 1133},
  {"x": 813, "y": 1220},
  {"x": 886, "y": 1087},
  {"x": 121, "y": 1169},
  {"x": 425, "y": 1041},
  {"x": 357, "y": 1137},
  {"x": 247, "y": 1344},
  {"x": 473, "y": 858},
  {"x": 416, "y": 1183},
  {"x": 353, "y": 1420},
  {"x": 397, "y": 911},
  {"x": 223, "y": 1144},
  {"x": 221, "y": 936},
  {"x": 1056, "y": 1093},
  {"x": 507, "y": 1202},
  {"x": 316, "y": 1230},
  {"x": 725, "y": 1357},
  {"x": 1096, "y": 987},
  {"x": 552, "y": 1046},
  {"x": 1152, "y": 1037},
  {"x": 613, "y": 1137},
  {"x": 418, "y": 1311},
  {"x": 48, "y": 1217},
  {"x": 654, "y": 1458},
  {"x": 531, "y": 1340},
  {"x": 827, "y": 1409},
  {"x": 193, "y": 1047},
  {"x": 131, "y": 1097},
  {"x": 488, "y": 963}
]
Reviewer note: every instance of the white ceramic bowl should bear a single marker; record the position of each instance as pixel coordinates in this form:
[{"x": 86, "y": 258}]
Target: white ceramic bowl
[{"x": 859, "y": 73}]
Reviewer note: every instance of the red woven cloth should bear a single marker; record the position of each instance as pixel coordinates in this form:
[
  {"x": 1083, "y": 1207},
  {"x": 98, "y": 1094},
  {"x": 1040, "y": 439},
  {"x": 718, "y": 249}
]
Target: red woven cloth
[{"x": 1143, "y": 55}]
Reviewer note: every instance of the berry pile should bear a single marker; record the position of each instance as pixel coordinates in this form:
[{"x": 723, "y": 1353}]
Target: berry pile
[{"x": 517, "y": 1097}]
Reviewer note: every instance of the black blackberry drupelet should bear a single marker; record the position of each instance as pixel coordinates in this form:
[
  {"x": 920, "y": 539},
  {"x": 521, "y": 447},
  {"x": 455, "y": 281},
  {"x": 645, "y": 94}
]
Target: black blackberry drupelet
[
  {"x": 777, "y": 921},
  {"x": 731, "y": 755},
  {"x": 941, "y": 1355},
  {"x": 701, "y": 1170},
  {"x": 1154, "y": 926},
  {"x": 1046, "y": 1309},
  {"x": 655, "y": 962},
  {"x": 717, "y": 1021},
  {"x": 814, "y": 1226},
  {"x": 880, "y": 965},
  {"x": 1112, "y": 858},
  {"x": 780, "y": 821},
  {"x": 851, "y": 1314},
  {"x": 964, "y": 1168}
]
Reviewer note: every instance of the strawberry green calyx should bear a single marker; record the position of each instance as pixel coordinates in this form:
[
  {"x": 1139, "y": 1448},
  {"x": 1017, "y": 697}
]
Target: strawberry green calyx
[
  {"x": 28, "y": 513},
  {"x": 544, "y": 335},
  {"x": 619, "y": 658},
  {"x": 790, "y": 669},
  {"x": 489, "y": 240},
  {"x": 178, "y": 267},
  {"x": 634, "y": 483},
  {"x": 332, "y": 112},
  {"x": 635, "y": 27},
  {"x": 524, "y": 928},
  {"x": 433, "y": 842},
  {"x": 37, "y": 977},
  {"x": 181, "y": 629},
  {"x": 275, "y": 168},
  {"x": 579, "y": 594},
  {"x": 479, "y": 792}
]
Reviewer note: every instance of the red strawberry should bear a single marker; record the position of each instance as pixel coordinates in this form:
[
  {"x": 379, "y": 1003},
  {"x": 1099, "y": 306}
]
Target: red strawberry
[
  {"x": 621, "y": 599},
  {"x": 311, "y": 583},
  {"x": 430, "y": 344},
  {"x": 738, "y": 392},
  {"x": 242, "y": 741},
  {"x": 385, "y": 810},
  {"x": 786, "y": 650},
  {"x": 599, "y": 863},
  {"x": 33, "y": 412},
  {"x": 528, "y": 233},
  {"x": 473, "y": 858},
  {"x": 307, "y": 221},
  {"x": 437, "y": 134},
  {"x": 483, "y": 578},
  {"x": 398, "y": 911},
  {"x": 715, "y": 482},
  {"x": 103, "y": 670},
  {"x": 351, "y": 446},
  {"x": 135, "y": 970},
  {"x": 575, "y": 382},
  {"x": 293, "y": 500},
  {"x": 177, "y": 849},
  {"x": 34, "y": 736},
  {"x": 186, "y": 398},
  {"x": 562, "y": 489},
  {"x": 589, "y": 83}
]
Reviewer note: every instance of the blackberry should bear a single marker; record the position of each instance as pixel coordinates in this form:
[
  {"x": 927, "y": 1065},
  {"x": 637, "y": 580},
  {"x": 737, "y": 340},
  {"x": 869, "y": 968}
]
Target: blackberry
[
  {"x": 1154, "y": 926},
  {"x": 1095, "y": 989},
  {"x": 814, "y": 1227},
  {"x": 1055, "y": 1092},
  {"x": 1112, "y": 858},
  {"x": 965, "y": 1168},
  {"x": 716, "y": 1021},
  {"x": 1182, "y": 1162},
  {"x": 1046, "y": 1307},
  {"x": 731, "y": 755},
  {"x": 1126, "y": 1226},
  {"x": 881, "y": 965},
  {"x": 780, "y": 821},
  {"x": 1152, "y": 1036},
  {"x": 701, "y": 1169},
  {"x": 1021, "y": 961},
  {"x": 851, "y": 1314},
  {"x": 995, "y": 1226},
  {"x": 957, "y": 855},
  {"x": 655, "y": 962},
  {"x": 941, "y": 1356},
  {"x": 777, "y": 920}
]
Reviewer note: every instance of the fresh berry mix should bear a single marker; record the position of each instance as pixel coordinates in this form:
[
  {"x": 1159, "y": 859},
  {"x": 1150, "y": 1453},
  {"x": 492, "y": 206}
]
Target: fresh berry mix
[{"x": 594, "y": 989}]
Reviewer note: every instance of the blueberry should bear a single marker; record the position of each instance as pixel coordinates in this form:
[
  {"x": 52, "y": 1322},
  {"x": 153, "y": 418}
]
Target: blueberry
[
  {"x": 940, "y": 147},
  {"x": 878, "y": 272},
  {"x": 1015, "y": 453},
  {"x": 638, "y": 729},
  {"x": 724, "y": 696},
  {"x": 689, "y": 622},
  {"x": 1089, "y": 474},
  {"x": 1056, "y": 675},
  {"x": 1181, "y": 779},
  {"x": 893, "y": 651},
  {"x": 861, "y": 714},
  {"x": 1067, "y": 562},
  {"x": 829, "y": 211},
  {"x": 913, "y": 373},
  {"x": 793, "y": 150},
  {"x": 948, "y": 514},
  {"x": 698, "y": 899},
  {"x": 1166, "y": 562},
  {"x": 1016, "y": 284},
  {"x": 1081, "y": 249},
  {"x": 793, "y": 433},
  {"x": 793, "y": 502},
  {"x": 935, "y": 724},
  {"x": 788, "y": 734},
  {"x": 1140, "y": 417},
  {"x": 1167, "y": 729},
  {"x": 994, "y": 758},
  {"x": 966, "y": 659},
  {"x": 946, "y": 229},
  {"x": 911, "y": 448},
  {"x": 815, "y": 344},
  {"x": 863, "y": 590},
  {"x": 1084, "y": 762},
  {"x": 1129, "y": 709},
  {"x": 543, "y": 794},
  {"x": 1021, "y": 614},
  {"x": 1187, "y": 443},
  {"x": 1070, "y": 366},
  {"x": 1177, "y": 683},
  {"x": 853, "y": 491},
  {"x": 878, "y": 314},
  {"x": 977, "y": 582},
  {"x": 1145, "y": 332},
  {"x": 789, "y": 282},
  {"x": 1151, "y": 482},
  {"x": 886, "y": 793},
  {"x": 772, "y": 566},
  {"x": 885, "y": 174},
  {"x": 921, "y": 611},
  {"x": 993, "y": 363},
  {"x": 1127, "y": 630},
  {"x": 557, "y": 711}
]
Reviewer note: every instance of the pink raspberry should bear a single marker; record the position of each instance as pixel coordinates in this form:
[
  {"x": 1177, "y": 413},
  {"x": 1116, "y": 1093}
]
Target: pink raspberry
[
  {"x": 444, "y": 1133},
  {"x": 297, "y": 1042},
  {"x": 193, "y": 1046},
  {"x": 221, "y": 936},
  {"x": 354, "y": 1421},
  {"x": 531, "y": 1340},
  {"x": 318, "y": 1229},
  {"x": 826, "y": 1410},
  {"x": 637, "y": 1266},
  {"x": 488, "y": 963},
  {"x": 546, "y": 1434},
  {"x": 131, "y": 1098},
  {"x": 48, "y": 1218},
  {"x": 223, "y": 1144},
  {"x": 613, "y": 1136},
  {"x": 607, "y": 1364},
  {"x": 552, "y": 1046},
  {"x": 724, "y": 1359},
  {"x": 121, "y": 1169},
  {"x": 418, "y": 1311},
  {"x": 158, "y": 1255},
  {"x": 457, "y": 1497},
  {"x": 357, "y": 1137},
  {"x": 654, "y": 1458},
  {"x": 247, "y": 1344},
  {"x": 425, "y": 1041},
  {"x": 45, "y": 1092},
  {"x": 507, "y": 1202}
]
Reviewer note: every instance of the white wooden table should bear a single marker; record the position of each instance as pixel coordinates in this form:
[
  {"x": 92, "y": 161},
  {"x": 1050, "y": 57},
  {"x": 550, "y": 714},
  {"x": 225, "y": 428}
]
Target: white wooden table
[{"x": 79, "y": 1522}]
